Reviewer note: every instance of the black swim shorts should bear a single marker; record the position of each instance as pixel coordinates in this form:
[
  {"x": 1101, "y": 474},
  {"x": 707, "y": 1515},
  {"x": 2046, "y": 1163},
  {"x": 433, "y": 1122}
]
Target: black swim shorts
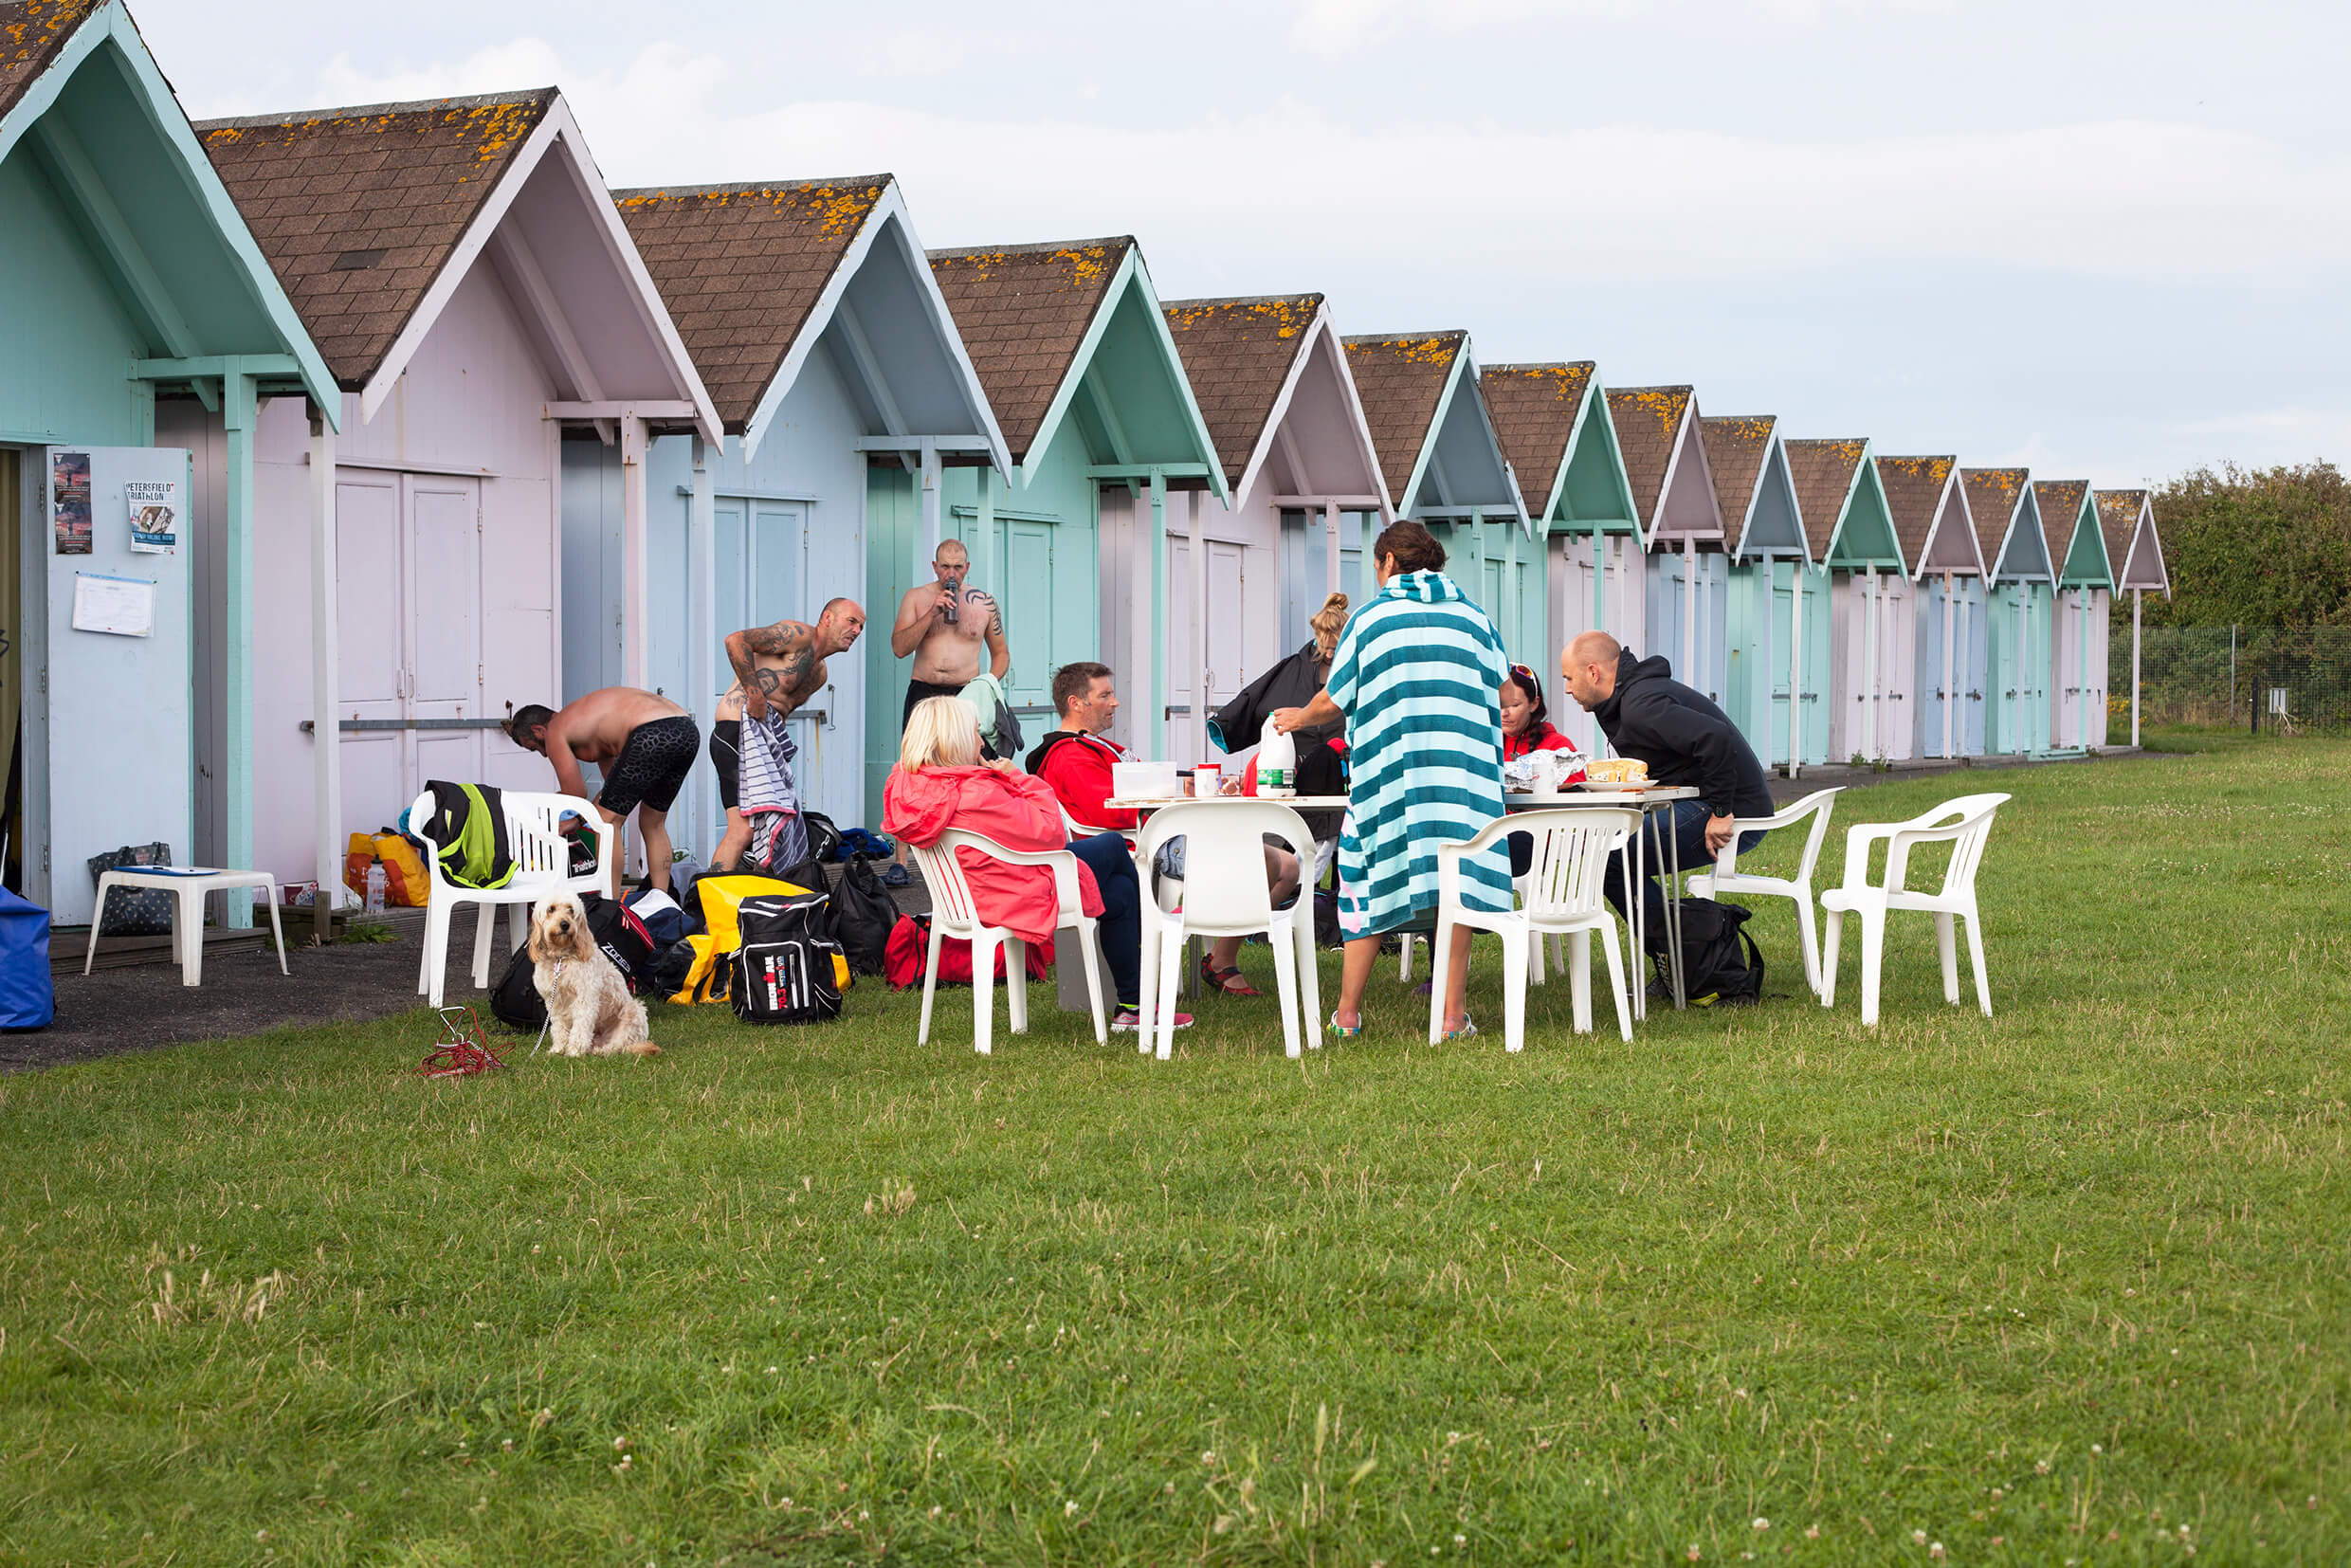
[{"x": 652, "y": 766}]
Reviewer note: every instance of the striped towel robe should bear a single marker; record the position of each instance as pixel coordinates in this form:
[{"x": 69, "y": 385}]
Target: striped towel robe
[
  {"x": 1418, "y": 672},
  {"x": 768, "y": 796}
]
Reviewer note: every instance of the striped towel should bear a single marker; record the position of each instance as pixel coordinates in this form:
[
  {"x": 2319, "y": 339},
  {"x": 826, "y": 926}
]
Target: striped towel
[
  {"x": 1418, "y": 672},
  {"x": 767, "y": 796}
]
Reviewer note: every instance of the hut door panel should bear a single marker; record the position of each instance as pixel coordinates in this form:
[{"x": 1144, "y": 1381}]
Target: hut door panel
[
  {"x": 371, "y": 607},
  {"x": 2065, "y": 686},
  {"x": 1936, "y": 707},
  {"x": 1232, "y": 617},
  {"x": 445, "y": 624},
  {"x": 1183, "y": 659},
  {"x": 2096, "y": 627},
  {"x": 1898, "y": 668},
  {"x": 1970, "y": 620},
  {"x": 1030, "y": 560}
]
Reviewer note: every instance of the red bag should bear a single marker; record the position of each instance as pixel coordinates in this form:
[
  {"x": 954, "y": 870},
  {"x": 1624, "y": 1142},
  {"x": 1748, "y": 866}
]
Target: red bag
[{"x": 910, "y": 948}]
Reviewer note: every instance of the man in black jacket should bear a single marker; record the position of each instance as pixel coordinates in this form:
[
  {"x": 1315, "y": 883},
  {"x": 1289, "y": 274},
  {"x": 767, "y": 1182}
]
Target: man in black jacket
[{"x": 1686, "y": 739}]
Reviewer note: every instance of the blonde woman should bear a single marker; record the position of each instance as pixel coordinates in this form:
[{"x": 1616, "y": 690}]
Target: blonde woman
[{"x": 940, "y": 782}]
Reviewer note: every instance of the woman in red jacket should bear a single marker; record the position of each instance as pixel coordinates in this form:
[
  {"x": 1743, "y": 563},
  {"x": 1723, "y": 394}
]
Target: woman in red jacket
[
  {"x": 1526, "y": 722},
  {"x": 941, "y": 783}
]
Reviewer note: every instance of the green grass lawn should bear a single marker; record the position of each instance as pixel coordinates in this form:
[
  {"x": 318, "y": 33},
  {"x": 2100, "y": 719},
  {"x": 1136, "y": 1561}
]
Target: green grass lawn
[{"x": 2066, "y": 1285}]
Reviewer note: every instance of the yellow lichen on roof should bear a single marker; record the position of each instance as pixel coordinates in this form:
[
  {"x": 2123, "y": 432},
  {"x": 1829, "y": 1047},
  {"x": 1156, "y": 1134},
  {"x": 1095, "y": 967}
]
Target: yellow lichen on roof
[
  {"x": 1664, "y": 405},
  {"x": 1743, "y": 427},
  {"x": 43, "y": 20},
  {"x": 1285, "y": 316},
  {"x": 1846, "y": 451},
  {"x": 1936, "y": 470},
  {"x": 1419, "y": 351}
]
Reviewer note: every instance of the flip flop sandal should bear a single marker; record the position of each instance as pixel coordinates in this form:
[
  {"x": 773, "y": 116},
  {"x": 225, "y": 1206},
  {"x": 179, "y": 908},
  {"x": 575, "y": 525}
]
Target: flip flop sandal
[
  {"x": 1221, "y": 979},
  {"x": 1346, "y": 1031},
  {"x": 1466, "y": 1029}
]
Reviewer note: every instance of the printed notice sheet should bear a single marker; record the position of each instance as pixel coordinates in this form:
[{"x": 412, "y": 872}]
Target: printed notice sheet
[{"x": 123, "y": 607}]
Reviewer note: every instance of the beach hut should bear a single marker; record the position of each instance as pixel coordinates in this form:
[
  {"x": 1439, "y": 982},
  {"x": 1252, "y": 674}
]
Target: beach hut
[
  {"x": 2085, "y": 593},
  {"x": 1775, "y": 611},
  {"x": 1946, "y": 563},
  {"x": 2135, "y": 552},
  {"x": 2009, "y": 535},
  {"x": 812, "y": 317},
  {"x": 1270, "y": 374},
  {"x": 477, "y": 300},
  {"x": 1445, "y": 467},
  {"x": 1553, "y": 423},
  {"x": 1686, "y": 576},
  {"x": 1872, "y": 649},
  {"x": 142, "y": 339},
  {"x": 1102, "y": 427}
]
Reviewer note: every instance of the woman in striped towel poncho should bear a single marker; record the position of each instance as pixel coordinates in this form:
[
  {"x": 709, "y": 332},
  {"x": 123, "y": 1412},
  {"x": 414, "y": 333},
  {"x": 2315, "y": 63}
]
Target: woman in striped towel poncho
[{"x": 1416, "y": 678}]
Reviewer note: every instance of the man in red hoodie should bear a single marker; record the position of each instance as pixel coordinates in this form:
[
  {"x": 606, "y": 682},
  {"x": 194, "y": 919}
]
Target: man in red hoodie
[{"x": 1075, "y": 760}]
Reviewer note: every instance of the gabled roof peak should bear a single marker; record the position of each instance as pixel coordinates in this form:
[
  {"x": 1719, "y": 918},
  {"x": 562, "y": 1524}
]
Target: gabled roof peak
[{"x": 1118, "y": 243}]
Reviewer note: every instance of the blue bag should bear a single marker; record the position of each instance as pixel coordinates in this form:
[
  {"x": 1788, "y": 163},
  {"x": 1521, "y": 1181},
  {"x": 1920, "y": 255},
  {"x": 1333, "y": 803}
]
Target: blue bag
[{"x": 28, "y": 1000}]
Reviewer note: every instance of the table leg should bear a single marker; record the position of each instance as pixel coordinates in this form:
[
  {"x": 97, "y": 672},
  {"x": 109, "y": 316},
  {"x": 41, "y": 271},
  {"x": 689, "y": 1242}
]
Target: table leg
[
  {"x": 277, "y": 930},
  {"x": 188, "y": 930},
  {"x": 1673, "y": 910},
  {"x": 98, "y": 918}
]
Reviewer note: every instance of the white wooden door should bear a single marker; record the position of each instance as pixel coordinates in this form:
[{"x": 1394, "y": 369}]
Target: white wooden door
[
  {"x": 371, "y": 653},
  {"x": 444, "y": 625},
  {"x": 1897, "y": 668}
]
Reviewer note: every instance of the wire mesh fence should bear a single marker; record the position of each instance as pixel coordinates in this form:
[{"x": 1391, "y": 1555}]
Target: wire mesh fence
[{"x": 2279, "y": 679}]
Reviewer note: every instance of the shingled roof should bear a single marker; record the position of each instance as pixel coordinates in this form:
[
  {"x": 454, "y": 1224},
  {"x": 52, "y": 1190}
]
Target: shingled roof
[
  {"x": 1823, "y": 472},
  {"x": 1737, "y": 445},
  {"x": 1649, "y": 422},
  {"x": 1401, "y": 379},
  {"x": 31, "y": 34},
  {"x": 1238, "y": 354},
  {"x": 359, "y": 209},
  {"x": 1993, "y": 497},
  {"x": 2118, "y": 519},
  {"x": 1534, "y": 408},
  {"x": 2059, "y": 502},
  {"x": 742, "y": 267},
  {"x": 1023, "y": 311},
  {"x": 1914, "y": 488}
]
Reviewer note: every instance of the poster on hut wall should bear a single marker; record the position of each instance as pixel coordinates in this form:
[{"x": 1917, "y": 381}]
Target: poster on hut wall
[
  {"x": 69, "y": 501},
  {"x": 154, "y": 506}
]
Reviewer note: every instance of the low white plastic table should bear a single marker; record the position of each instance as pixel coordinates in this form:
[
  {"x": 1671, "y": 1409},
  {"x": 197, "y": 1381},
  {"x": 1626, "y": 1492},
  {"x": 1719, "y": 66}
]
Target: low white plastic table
[{"x": 189, "y": 884}]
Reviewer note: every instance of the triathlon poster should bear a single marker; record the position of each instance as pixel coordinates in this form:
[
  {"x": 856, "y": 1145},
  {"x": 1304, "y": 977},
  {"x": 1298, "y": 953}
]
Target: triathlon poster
[
  {"x": 154, "y": 505},
  {"x": 69, "y": 501}
]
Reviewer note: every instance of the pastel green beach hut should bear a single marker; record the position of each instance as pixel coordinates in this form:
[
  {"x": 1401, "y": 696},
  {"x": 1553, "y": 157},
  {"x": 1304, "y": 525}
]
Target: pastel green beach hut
[
  {"x": 130, "y": 290},
  {"x": 1445, "y": 468},
  {"x": 1552, "y": 420},
  {"x": 1872, "y": 660},
  {"x": 1947, "y": 568},
  {"x": 1102, "y": 429},
  {"x": 1776, "y": 602},
  {"x": 1272, "y": 381},
  {"x": 2007, "y": 519},
  {"x": 2085, "y": 595},
  {"x": 2135, "y": 552},
  {"x": 812, "y": 316}
]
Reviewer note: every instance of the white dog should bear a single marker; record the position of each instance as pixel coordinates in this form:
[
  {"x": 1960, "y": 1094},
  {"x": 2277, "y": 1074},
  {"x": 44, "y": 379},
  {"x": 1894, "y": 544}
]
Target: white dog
[{"x": 590, "y": 1012}]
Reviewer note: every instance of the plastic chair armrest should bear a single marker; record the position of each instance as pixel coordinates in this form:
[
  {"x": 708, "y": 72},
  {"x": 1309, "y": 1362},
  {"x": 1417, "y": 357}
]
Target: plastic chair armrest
[{"x": 1060, "y": 862}]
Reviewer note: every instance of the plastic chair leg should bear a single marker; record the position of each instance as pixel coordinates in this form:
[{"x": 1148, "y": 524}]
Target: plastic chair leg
[
  {"x": 1089, "y": 954},
  {"x": 1286, "y": 993},
  {"x": 277, "y": 931},
  {"x": 187, "y": 934},
  {"x": 436, "y": 952},
  {"x": 1617, "y": 991},
  {"x": 1808, "y": 938},
  {"x": 1975, "y": 954},
  {"x": 1514, "y": 978},
  {"x": 930, "y": 987},
  {"x": 1155, "y": 936},
  {"x": 1016, "y": 983},
  {"x": 1159, "y": 1026},
  {"x": 1579, "y": 977},
  {"x": 1872, "y": 965},
  {"x": 1440, "y": 975},
  {"x": 1404, "y": 958},
  {"x": 1947, "y": 949},
  {"x": 1309, "y": 978},
  {"x": 518, "y": 925},
  {"x": 984, "y": 950},
  {"x": 484, "y": 924},
  {"x": 1829, "y": 940}
]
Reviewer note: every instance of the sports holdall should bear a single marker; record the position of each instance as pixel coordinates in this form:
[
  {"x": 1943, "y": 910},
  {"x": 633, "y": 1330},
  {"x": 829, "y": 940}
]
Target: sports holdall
[{"x": 788, "y": 970}]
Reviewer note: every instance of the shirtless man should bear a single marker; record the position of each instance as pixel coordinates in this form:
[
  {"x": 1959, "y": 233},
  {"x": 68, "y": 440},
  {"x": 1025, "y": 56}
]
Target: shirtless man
[
  {"x": 645, "y": 745},
  {"x": 776, "y": 668},
  {"x": 942, "y": 624}
]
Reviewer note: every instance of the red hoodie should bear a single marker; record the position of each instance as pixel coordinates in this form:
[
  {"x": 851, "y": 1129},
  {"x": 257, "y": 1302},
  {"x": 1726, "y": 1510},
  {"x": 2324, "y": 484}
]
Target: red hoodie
[
  {"x": 1017, "y": 811},
  {"x": 1078, "y": 768}
]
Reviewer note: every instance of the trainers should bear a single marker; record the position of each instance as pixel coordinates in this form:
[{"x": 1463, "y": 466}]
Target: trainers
[
  {"x": 1129, "y": 1018},
  {"x": 896, "y": 877}
]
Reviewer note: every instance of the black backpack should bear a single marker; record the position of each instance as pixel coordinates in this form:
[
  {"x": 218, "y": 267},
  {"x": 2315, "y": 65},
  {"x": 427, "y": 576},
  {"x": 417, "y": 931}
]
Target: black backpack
[
  {"x": 626, "y": 944},
  {"x": 1720, "y": 962},
  {"x": 863, "y": 913},
  {"x": 789, "y": 970}
]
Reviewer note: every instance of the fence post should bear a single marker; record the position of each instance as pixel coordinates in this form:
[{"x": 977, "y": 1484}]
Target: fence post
[{"x": 2232, "y": 670}]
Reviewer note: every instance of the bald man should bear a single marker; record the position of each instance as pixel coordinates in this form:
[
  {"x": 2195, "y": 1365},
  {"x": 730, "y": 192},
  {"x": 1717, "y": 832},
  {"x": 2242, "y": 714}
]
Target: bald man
[{"x": 1686, "y": 739}]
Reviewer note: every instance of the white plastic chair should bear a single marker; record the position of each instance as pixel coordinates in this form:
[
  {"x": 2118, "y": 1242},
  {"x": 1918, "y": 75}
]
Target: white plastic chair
[
  {"x": 542, "y": 861},
  {"x": 1964, "y": 824},
  {"x": 954, "y": 913},
  {"x": 1727, "y": 878},
  {"x": 1224, "y": 895},
  {"x": 1560, "y": 896}
]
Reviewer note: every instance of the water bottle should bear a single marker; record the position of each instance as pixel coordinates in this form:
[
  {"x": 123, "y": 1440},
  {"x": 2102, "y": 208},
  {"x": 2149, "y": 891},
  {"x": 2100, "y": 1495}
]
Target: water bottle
[
  {"x": 1277, "y": 764},
  {"x": 376, "y": 886}
]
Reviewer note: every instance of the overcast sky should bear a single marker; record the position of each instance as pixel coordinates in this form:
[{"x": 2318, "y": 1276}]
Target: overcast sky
[{"x": 2107, "y": 241}]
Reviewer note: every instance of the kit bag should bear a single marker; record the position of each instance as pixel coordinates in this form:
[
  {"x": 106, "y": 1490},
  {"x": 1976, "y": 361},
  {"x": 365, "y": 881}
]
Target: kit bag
[
  {"x": 1720, "y": 962},
  {"x": 909, "y": 948},
  {"x": 788, "y": 970},
  {"x": 135, "y": 911},
  {"x": 28, "y": 1000},
  {"x": 619, "y": 935},
  {"x": 863, "y": 915},
  {"x": 712, "y": 941}
]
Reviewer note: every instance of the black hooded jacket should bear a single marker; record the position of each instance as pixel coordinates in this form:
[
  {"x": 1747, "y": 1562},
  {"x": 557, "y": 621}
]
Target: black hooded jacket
[{"x": 1685, "y": 738}]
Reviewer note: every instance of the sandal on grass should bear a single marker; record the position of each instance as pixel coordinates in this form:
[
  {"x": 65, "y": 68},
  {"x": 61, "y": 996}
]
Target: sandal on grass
[
  {"x": 1466, "y": 1029},
  {"x": 1229, "y": 981},
  {"x": 1347, "y": 1032}
]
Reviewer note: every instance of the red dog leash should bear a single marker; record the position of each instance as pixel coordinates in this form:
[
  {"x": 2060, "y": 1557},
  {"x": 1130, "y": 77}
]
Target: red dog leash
[{"x": 460, "y": 1052}]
